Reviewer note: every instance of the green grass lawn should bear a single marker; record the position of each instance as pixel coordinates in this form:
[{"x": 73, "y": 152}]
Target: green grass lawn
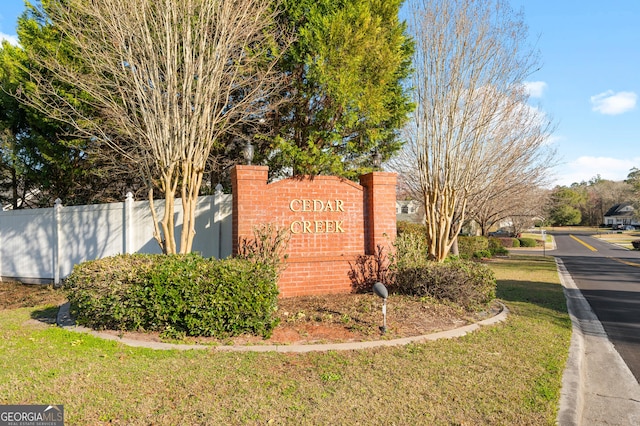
[
  {"x": 621, "y": 238},
  {"x": 505, "y": 374}
]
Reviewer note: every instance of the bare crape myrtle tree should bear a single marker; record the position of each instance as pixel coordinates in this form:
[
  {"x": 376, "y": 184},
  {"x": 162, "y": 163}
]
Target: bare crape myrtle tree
[
  {"x": 473, "y": 131},
  {"x": 160, "y": 82}
]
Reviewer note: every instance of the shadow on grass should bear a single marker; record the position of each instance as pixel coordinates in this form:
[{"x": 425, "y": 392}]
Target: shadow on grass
[
  {"x": 539, "y": 301},
  {"x": 544, "y": 295},
  {"x": 528, "y": 291},
  {"x": 532, "y": 263},
  {"x": 529, "y": 286},
  {"x": 46, "y": 315}
]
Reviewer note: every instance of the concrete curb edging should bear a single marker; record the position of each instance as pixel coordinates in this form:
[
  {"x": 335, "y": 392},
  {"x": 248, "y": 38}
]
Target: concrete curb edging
[
  {"x": 572, "y": 390},
  {"x": 65, "y": 321},
  {"x": 597, "y": 385}
]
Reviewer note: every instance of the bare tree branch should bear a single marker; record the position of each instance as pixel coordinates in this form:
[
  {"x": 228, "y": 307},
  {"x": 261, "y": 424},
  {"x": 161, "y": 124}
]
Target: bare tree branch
[
  {"x": 472, "y": 127},
  {"x": 166, "y": 79}
]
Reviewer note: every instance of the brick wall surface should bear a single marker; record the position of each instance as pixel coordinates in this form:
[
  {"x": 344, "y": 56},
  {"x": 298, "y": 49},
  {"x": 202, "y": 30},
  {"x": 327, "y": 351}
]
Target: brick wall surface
[{"x": 332, "y": 221}]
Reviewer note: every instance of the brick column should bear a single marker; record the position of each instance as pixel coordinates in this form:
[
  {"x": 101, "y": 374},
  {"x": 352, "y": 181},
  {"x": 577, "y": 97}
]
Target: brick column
[
  {"x": 379, "y": 210},
  {"x": 249, "y": 184}
]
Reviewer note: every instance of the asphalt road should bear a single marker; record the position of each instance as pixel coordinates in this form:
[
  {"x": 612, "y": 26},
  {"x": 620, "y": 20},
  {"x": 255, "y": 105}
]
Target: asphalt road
[{"x": 609, "y": 278}]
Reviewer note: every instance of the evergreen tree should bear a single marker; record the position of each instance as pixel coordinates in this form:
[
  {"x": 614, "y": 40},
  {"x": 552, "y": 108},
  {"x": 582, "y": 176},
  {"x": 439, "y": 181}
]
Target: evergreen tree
[
  {"x": 346, "y": 94},
  {"x": 565, "y": 206}
]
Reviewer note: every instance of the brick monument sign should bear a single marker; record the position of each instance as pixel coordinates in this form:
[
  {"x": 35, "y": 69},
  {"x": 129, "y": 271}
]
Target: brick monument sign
[{"x": 331, "y": 220}]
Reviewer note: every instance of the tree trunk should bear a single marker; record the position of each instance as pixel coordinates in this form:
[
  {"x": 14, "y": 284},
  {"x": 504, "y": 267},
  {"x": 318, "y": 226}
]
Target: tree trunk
[
  {"x": 192, "y": 178},
  {"x": 454, "y": 247}
]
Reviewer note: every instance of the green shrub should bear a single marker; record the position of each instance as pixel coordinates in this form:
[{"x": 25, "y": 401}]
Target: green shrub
[
  {"x": 497, "y": 245},
  {"x": 410, "y": 250},
  {"x": 527, "y": 242},
  {"x": 482, "y": 254},
  {"x": 176, "y": 294},
  {"x": 403, "y": 227},
  {"x": 494, "y": 242},
  {"x": 467, "y": 246},
  {"x": 414, "y": 234},
  {"x": 507, "y": 242},
  {"x": 369, "y": 269},
  {"x": 500, "y": 251},
  {"x": 268, "y": 245},
  {"x": 468, "y": 284}
]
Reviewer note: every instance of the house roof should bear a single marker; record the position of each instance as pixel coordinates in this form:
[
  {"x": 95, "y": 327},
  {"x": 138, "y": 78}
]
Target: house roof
[{"x": 623, "y": 209}]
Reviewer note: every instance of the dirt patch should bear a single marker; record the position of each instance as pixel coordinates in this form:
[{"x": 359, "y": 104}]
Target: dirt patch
[
  {"x": 334, "y": 318},
  {"x": 16, "y": 295},
  {"x": 342, "y": 318}
]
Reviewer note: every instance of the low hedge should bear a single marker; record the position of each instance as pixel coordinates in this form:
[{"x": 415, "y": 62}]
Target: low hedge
[
  {"x": 527, "y": 242},
  {"x": 507, "y": 242},
  {"x": 175, "y": 294},
  {"x": 483, "y": 247},
  {"x": 468, "y": 246},
  {"x": 499, "y": 251},
  {"x": 417, "y": 229},
  {"x": 483, "y": 254},
  {"x": 468, "y": 284}
]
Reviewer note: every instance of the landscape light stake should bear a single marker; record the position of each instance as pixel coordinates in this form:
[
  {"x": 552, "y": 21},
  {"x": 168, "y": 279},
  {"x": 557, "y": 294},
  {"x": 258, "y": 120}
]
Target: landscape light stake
[{"x": 380, "y": 290}]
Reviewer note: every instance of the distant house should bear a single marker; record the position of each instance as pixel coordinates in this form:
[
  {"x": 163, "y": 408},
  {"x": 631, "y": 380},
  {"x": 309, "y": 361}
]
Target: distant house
[
  {"x": 409, "y": 211},
  {"x": 621, "y": 214}
]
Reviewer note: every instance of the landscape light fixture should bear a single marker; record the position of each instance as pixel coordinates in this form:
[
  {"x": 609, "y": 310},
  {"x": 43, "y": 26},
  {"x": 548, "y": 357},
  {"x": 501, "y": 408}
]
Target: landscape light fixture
[
  {"x": 247, "y": 152},
  {"x": 380, "y": 290}
]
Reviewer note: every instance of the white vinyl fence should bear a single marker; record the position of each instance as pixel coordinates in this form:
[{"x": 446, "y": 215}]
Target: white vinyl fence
[{"x": 43, "y": 245}]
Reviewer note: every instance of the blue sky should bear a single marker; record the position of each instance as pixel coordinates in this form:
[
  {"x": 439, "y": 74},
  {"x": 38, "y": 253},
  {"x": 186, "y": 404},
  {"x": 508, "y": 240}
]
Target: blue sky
[{"x": 589, "y": 82}]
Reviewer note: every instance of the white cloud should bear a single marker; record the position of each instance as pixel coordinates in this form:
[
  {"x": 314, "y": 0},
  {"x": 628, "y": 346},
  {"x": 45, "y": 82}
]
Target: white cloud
[
  {"x": 585, "y": 168},
  {"x": 535, "y": 89},
  {"x": 611, "y": 103},
  {"x": 10, "y": 38}
]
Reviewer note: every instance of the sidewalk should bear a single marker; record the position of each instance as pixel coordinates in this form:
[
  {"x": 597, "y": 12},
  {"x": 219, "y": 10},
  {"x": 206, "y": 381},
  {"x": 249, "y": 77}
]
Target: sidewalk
[{"x": 597, "y": 386}]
